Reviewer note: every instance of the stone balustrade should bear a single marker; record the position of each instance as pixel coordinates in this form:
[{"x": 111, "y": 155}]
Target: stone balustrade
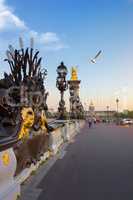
[
  {"x": 55, "y": 138},
  {"x": 10, "y": 181}
]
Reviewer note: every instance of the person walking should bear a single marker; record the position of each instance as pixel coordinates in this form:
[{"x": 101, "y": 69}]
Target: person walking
[
  {"x": 90, "y": 122},
  {"x": 94, "y": 120}
]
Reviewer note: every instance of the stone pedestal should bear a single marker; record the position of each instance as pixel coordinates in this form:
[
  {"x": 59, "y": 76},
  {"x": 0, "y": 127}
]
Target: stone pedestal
[
  {"x": 9, "y": 188},
  {"x": 76, "y": 108}
]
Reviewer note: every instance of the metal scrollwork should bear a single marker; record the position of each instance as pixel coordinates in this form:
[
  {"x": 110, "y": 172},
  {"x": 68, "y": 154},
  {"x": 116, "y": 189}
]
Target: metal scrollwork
[{"x": 20, "y": 90}]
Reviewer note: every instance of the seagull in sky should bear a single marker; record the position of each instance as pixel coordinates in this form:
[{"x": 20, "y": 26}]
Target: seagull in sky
[{"x": 95, "y": 58}]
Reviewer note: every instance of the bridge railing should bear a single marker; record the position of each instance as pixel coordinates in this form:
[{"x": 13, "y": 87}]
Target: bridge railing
[{"x": 18, "y": 159}]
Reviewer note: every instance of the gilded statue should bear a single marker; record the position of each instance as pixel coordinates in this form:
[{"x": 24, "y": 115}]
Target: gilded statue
[{"x": 74, "y": 76}]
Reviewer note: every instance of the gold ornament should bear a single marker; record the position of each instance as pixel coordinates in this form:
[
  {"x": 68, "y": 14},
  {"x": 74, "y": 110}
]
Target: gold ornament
[
  {"x": 27, "y": 122},
  {"x": 74, "y": 76},
  {"x": 6, "y": 158}
]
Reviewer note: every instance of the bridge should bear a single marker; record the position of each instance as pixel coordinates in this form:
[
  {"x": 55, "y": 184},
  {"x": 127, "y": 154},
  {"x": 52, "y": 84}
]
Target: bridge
[
  {"x": 96, "y": 164},
  {"x": 64, "y": 158}
]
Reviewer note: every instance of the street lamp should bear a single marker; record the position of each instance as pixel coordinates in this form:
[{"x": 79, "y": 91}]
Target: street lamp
[
  {"x": 107, "y": 113},
  {"x": 117, "y": 104},
  {"x": 117, "y": 109},
  {"x": 62, "y": 86}
]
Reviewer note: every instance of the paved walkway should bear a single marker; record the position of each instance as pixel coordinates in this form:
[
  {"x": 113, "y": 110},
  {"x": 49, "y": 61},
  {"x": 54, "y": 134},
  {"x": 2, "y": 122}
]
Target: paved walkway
[{"x": 98, "y": 165}]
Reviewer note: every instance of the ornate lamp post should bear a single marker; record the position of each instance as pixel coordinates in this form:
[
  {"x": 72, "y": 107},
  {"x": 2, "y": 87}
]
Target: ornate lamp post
[{"x": 62, "y": 86}]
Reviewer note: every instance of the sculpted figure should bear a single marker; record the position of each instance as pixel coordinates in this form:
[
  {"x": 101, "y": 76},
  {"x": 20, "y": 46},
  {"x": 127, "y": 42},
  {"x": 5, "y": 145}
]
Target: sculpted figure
[
  {"x": 74, "y": 76},
  {"x": 23, "y": 104}
]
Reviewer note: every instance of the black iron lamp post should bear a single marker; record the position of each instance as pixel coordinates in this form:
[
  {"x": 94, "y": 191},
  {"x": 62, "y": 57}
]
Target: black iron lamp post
[{"x": 62, "y": 86}]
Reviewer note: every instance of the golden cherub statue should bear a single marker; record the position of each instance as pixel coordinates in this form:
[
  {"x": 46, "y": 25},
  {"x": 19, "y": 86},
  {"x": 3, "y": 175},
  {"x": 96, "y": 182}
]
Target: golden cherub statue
[
  {"x": 28, "y": 119},
  {"x": 27, "y": 122},
  {"x": 74, "y": 76}
]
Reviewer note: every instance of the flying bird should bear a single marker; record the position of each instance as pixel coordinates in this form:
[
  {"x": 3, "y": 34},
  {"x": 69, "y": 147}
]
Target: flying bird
[{"x": 95, "y": 58}]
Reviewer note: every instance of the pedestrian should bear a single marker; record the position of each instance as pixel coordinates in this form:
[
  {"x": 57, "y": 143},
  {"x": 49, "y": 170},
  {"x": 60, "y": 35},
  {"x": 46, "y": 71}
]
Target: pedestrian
[
  {"x": 94, "y": 120},
  {"x": 90, "y": 122}
]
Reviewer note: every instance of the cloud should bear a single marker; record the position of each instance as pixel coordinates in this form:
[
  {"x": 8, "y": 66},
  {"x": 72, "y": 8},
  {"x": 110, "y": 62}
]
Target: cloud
[
  {"x": 49, "y": 37},
  {"x": 8, "y": 20},
  {"x": 49, "y": 40},
  {"x": 14, "y": 26}
]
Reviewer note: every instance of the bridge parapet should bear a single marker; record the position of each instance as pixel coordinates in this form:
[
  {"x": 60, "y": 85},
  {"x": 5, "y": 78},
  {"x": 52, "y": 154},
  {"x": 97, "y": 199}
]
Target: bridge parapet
[{"x": 10, "y": 178}]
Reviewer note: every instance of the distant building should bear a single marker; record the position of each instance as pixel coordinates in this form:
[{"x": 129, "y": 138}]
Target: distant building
[
  {"x": 91, "y": 110},
  {"x": 92, "y": 107},
  {"x": 51, "y": 110},
  {"x": 100, "y": 114},
  {"x": 104, "y": 114}
]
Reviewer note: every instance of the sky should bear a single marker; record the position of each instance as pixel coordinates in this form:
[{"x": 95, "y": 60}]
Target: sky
[{"x": 73, "y": 31}]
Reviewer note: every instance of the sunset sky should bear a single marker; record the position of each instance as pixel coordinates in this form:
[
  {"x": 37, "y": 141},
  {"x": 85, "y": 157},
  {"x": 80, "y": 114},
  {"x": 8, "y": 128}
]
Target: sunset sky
[{"x": 73, "y": 31}]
